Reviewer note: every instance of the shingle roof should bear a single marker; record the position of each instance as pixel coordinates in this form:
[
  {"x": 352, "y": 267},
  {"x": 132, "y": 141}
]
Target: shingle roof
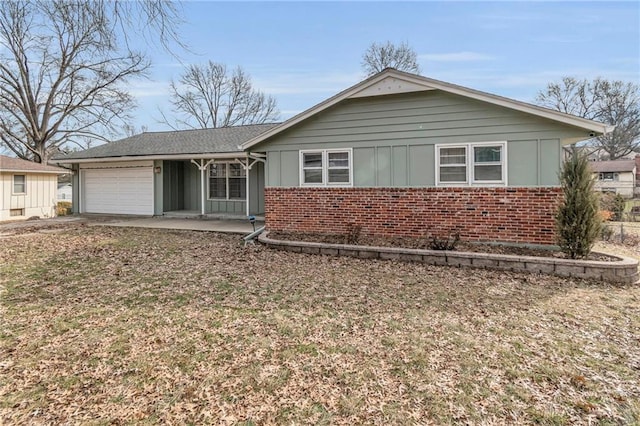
[
  {"x": 387, "y": 81},
  {"x": 177, "y": 142},
  {"x": 10, "y": 164},
  {"x": 613, "y": 166}
]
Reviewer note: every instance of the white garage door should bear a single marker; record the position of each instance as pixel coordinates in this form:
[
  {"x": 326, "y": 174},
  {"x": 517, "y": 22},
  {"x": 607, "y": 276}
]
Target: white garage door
[{"x": 118, "y": 190}]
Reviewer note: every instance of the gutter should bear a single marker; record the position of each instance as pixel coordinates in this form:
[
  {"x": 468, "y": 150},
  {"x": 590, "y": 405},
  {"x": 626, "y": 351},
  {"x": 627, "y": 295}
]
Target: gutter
[
  {"x": 49, "y": 172},
  {"x": 226, "y": 155}
]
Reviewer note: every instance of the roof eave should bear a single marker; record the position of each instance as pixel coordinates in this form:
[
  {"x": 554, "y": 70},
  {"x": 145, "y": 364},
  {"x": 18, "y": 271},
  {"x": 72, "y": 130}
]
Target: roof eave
[
  {"x": 222, "y": 155},
  {"x": 48, "y": 172},
  {"x": 430, "y": 84}
]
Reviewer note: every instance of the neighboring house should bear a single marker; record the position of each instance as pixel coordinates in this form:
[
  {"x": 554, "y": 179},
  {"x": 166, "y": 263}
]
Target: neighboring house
[
  {"x": 395, "y": 155},
  {"x": 636, "y": 190},
  {"x": 65, "y": 192},
  {"x": 27, "y": 189},
  {"x": 615, "y": 177}
]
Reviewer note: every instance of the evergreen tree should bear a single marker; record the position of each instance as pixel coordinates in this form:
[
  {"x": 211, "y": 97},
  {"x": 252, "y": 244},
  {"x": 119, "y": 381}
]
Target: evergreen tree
[{"x": 577, "y": 221}]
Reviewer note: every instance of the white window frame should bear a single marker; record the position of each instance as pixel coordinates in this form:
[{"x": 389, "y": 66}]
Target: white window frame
[
  {"x": 470, "y": 164},
  {"x": 227, "y": 177},
  {"x": 615, "y": 177},
  {"x": 325, "y": 167},
  {"x": 24, "y": 184},
  {"x": 438, "y": 165}
]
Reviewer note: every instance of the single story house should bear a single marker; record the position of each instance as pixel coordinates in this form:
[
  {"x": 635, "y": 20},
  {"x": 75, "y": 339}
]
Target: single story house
[
  {"x": 65, "y": 191},
  {"x": 616, "y": 177},
  {"x": 636, "y": 191},
  {"x": 27, "y": 189},
  {"x": 397, "y": 154}
]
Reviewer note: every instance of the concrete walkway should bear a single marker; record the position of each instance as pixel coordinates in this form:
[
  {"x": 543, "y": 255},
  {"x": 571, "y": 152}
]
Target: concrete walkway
[{"x": 234, "y": 226}]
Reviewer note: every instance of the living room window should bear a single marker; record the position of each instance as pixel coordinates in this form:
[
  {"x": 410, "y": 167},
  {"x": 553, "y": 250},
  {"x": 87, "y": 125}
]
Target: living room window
[
  {"x": 227, "y": 181},
  {"x": 327, "y": 167},
  {"x": 471, "y": 164},
  {"x": 19, "y": 184}
]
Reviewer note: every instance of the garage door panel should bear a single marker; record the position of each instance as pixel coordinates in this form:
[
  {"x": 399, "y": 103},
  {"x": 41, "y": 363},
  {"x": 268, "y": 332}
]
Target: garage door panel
[{"x": 118, "y": 191}]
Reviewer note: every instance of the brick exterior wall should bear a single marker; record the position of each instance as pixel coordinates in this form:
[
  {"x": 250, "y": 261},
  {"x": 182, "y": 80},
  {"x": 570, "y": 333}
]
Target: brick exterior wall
[{"x": 513, "y": 215}]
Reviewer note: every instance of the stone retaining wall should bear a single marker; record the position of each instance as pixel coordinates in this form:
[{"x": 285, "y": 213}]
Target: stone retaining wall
[{"x": 623, "y": 271}]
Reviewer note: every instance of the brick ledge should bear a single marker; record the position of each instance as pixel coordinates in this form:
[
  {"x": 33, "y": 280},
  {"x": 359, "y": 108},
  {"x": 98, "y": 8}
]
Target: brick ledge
[{"x": 622, "y": 271}]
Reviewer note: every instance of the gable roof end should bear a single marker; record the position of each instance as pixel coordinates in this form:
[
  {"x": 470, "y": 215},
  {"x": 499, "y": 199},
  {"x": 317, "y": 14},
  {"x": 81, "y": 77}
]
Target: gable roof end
[{"x": 390, "y": 81}]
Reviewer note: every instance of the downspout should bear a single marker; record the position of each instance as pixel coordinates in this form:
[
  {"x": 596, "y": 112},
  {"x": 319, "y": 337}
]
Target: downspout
[{"x": 249, "y": 238}]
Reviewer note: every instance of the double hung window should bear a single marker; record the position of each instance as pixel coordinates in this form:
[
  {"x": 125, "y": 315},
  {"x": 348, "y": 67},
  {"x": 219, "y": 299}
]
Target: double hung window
[
  {"x": 227, "y": 181},
  {"x": 471, "y": 164},
  {"x": 19, "y": 184},
  {"x": 326, "y": 167}
]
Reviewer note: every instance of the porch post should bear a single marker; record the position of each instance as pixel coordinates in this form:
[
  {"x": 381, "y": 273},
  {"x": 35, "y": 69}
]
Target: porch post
[
  {"x": 202, "y": 189},
  {"x": 250, "y": 160},
  {"x": 247, "y": 170},
  {"x": 202, "y": 166}
]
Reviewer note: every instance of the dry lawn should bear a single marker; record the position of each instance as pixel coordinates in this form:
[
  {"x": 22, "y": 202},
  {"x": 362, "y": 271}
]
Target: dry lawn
[{"x": 103, "y": 325}]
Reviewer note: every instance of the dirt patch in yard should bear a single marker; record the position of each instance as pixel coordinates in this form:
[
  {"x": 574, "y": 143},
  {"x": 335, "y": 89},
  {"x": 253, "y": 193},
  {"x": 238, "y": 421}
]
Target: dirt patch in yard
[{"x": 106, "y": 325}]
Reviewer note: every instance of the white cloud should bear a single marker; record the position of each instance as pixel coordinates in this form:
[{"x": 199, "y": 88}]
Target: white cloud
[
  {"x": 455, "y": 57},
  {"x": 147, "y": 89}
]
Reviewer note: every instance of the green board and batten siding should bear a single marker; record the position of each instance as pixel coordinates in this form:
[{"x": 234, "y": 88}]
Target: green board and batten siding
[
  {"x": 393, "y": 139},
  {"x": 179, "y": 189}
]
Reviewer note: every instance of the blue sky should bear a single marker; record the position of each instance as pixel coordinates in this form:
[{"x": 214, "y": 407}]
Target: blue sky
[{"x": 303, "y": 52}]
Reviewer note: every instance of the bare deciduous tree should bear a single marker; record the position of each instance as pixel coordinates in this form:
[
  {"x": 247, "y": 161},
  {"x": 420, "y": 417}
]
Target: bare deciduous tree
[
  {"x": 380, "y": 56},
  {"x": 63, "y": 70},
  {"x": 611, "y": 102},
  {"x": 208, "y": 96}
]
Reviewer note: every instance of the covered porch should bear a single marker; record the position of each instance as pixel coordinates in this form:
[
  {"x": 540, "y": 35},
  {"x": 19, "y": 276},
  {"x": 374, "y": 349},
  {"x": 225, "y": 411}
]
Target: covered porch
[{"x": 220, "y": 186}]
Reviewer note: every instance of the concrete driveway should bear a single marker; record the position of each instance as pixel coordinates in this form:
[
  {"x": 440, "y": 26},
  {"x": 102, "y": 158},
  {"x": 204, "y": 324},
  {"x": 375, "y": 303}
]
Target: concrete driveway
[{"x": 236, "y": 226}]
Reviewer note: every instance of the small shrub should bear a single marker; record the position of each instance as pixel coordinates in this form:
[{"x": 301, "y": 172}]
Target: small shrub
[
  {"x": 440, "y": 243},
  {"x": 613, "y": 203},
  {"x": 353, "y": 234},
  {"x": 63, "y": 208},
  {"x": 606, "y": 233},
  {"x": 578, "y": 223},
  {"x": 605, "y": 215}
]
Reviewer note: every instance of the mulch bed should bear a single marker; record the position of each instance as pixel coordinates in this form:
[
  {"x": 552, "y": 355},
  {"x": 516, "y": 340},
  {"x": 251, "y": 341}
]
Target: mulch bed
[{"x": 425, "y": 244}]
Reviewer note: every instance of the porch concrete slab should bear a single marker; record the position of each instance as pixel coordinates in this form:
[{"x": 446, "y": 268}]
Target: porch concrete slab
[{"x": 233, "y": 226}]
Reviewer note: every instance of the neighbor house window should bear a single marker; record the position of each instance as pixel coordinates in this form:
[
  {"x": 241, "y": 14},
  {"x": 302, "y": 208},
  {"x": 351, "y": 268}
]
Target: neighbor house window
[
  {"x": 328, "y": 167},
  {"x": 227, "y": 181},
  {"x": 608, "y": 176},
  {"x": 19, "y": 184},
  {"x": 473, "y": 163}
]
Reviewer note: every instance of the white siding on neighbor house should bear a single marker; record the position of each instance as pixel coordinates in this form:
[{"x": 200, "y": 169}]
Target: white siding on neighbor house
[
  {"x": 117, "y": 188},
  {"x": 624, "y": 185},
  {"x": 39, "y": 198},
  {"x": 65, "y": 193}
]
